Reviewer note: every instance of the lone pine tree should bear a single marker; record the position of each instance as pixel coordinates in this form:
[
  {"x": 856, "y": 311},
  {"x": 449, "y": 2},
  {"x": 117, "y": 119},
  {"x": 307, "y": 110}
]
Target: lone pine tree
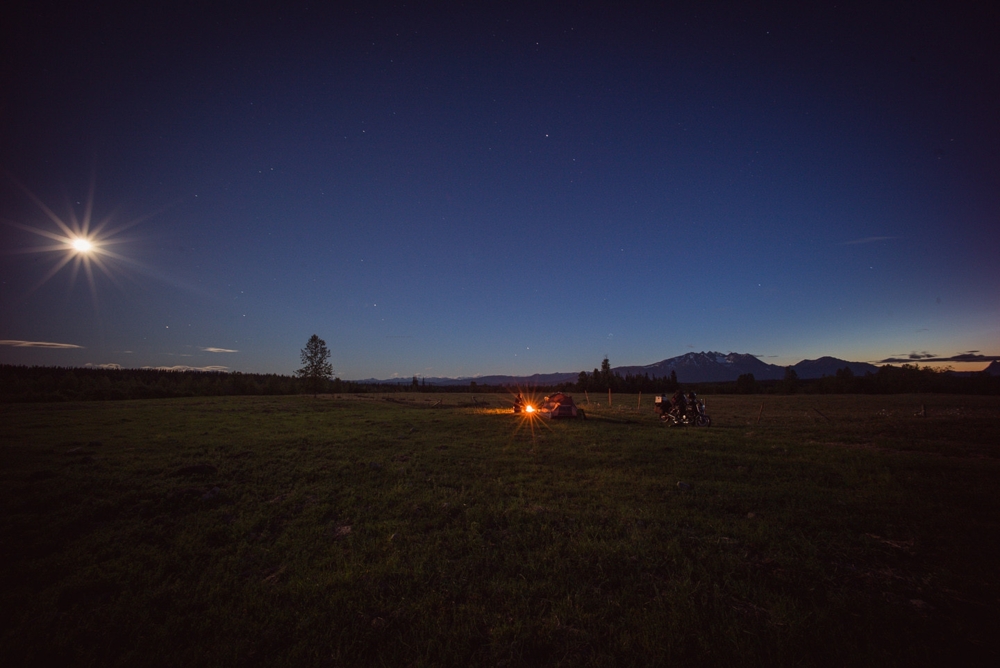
[{"x": 316, "y": 368}]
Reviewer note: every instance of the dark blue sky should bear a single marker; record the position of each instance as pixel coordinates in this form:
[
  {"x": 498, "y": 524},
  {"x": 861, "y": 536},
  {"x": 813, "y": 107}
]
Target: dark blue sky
[{"x": 495, "y": 188}]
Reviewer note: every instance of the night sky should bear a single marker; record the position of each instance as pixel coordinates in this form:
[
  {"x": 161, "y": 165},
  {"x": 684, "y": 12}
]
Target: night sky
[{"x": 495, "y": 188}]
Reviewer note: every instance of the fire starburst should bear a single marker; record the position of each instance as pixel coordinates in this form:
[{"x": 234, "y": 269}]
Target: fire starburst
[{"x": 526, "y": 411}]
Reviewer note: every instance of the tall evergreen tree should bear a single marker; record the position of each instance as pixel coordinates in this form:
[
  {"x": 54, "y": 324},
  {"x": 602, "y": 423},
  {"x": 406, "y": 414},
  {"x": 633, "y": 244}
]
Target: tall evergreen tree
[
  {"x": 746, "y": 384},
  {"x": 606, "y": 373},
  {"x": 316, "y": 368},
  {"x": 790, "y": 384}
]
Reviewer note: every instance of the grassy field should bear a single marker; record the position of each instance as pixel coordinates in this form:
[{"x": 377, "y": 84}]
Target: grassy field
[{"x": 395, "y": 530}]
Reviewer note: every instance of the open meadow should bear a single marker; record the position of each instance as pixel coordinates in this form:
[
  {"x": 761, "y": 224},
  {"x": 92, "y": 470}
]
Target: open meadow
[{"x": 441, "y": 529}]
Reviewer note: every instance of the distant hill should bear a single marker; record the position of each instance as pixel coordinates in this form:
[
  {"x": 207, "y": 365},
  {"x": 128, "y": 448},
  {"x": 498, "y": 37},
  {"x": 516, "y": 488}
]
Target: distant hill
[
  {"x": 992, "y": 370},
  {"x": 527, "y": 381},
  {"x": 703, "y": 367},
  {"x": 829, "y": 366}
]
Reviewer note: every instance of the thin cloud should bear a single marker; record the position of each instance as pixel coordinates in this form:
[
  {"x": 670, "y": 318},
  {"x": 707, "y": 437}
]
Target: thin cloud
[
  {"x": 866, "y": 240},
  {"x": 188, "y": 368},
  {"x": 961, "y": 357},
  {"x": 39, "y": 344},
  {"x": 109, "y": 365},
  {"x": 969, "y": 357},
  {"x": 218, "y": 350}
]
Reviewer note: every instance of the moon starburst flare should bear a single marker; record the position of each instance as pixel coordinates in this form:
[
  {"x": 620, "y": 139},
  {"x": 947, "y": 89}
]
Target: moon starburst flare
[
  {"x": 82, "y": 245},
  {"x": 80, "y": 242}
]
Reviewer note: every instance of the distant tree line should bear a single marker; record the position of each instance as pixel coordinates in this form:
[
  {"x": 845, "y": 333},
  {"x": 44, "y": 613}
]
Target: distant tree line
[
  {"x": 39, "y": 384},
  {"x": 905, "y": 379},
  {"x": 603, "y": 379},
  {"x": 31, "y": 384}
]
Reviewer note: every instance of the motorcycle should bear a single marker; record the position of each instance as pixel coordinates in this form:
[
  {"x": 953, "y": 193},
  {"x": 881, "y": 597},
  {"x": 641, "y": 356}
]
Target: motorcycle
[{"x": 693, "y": 413}]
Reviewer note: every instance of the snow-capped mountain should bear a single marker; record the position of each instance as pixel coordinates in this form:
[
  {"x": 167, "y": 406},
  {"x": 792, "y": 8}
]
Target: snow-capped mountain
[
  {"x": 708, "y": 367},
  {"x": 703, "y": 367}
]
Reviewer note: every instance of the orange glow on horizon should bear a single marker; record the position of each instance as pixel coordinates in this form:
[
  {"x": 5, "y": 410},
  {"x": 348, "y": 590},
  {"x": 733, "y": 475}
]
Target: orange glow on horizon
[{"x": 954, "y": 366}]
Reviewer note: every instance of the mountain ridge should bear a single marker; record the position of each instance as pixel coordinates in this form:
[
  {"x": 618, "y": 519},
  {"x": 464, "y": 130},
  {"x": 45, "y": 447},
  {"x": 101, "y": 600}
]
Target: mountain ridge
[{"x": 703, "y": 367}]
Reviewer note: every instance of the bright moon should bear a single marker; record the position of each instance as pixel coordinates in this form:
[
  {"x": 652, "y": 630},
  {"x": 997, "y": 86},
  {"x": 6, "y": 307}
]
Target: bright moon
[{"x": 82, "y": 245}]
